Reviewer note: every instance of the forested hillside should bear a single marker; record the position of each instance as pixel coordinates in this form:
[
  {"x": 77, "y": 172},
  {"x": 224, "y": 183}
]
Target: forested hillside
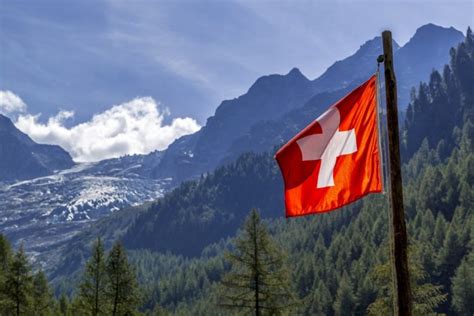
[
  {"x": 336, "y": 254},
  {"x": 446, "y": 101},
  {"x": 333, "y": 257},
  {"x": 338, "y": 261}
]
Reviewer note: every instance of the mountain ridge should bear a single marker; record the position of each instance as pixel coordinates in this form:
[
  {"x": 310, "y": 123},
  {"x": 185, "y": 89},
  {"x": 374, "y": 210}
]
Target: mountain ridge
[
  {"x": 23, "y": 159},
  {"x": 272, "y": 110},
  {"x": 202, "y": 152}
]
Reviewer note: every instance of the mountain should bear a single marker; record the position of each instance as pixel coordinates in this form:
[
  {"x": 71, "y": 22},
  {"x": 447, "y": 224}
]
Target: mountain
[
  {"x": 130, "y": 166},
  {"x": 45, "y": 198},
  {"x": 22, "y": 158},
  {"x": 354, "y": 68},
  {"x": 47, "y": 211},
  {"x": 54, "y": 208},
  {"x": 238, "y": 123},
  {"x": 269, "y": 97},
  {"x": 190, "y": 217},
  {"x": 265, "y": 135},
  {"x": 426, "y": 51},
  {"x": 198, "y": 213},
  {"x": 199, "y": 219}
]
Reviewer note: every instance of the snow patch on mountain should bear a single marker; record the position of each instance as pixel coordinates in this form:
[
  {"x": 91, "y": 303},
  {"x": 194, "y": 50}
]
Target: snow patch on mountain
[{"x": 48, "y": 210}]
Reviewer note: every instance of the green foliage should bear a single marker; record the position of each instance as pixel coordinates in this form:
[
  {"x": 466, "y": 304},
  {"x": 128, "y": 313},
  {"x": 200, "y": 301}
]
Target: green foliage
[
  {"x": 64, "y": 306},
  {"x": 199, "y": 213},
  {"x": 320, "y": 301},
  {"x": 42, "y": 297},
  {"x": 345, "y": 299},
  {"x": 121, "y": 291},
  {"x": 5, "y": 254},
  {"x": 258, "y": 281},
  {"x": 445, "y": 102},
  {"x": 18, "y": 285},
  {"x": 92, "y": 288},
  {"x": 426, "y": 296},
  {"x": 21, "y": 291},
  {"x": 5, "y": 259},
  {"x": 463, "y": 287},
  {"x": 438, "y": 179},
  {"x": 178, "y": 243}
]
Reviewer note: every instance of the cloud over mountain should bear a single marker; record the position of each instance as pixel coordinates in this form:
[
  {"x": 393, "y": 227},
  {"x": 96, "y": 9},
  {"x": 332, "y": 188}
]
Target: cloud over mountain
[
  {"x": 10, "y": 102},
  {"x": 134, "y": 127}
]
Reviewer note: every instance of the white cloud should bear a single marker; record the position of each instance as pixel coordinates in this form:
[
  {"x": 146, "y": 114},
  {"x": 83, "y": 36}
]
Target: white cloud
[
  {"x": 135, "y": 127},
  {"x": 10, "y": 102}
]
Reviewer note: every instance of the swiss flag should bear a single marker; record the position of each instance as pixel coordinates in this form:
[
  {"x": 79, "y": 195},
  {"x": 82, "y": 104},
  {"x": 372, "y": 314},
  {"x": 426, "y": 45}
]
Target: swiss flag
[{"x": 335, "y": 159}]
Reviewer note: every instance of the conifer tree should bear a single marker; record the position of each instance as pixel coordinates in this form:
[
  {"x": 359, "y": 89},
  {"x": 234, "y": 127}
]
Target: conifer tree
[
  {"x": 5, "y": 259},
  {"x": 43, "y": 301},
  {"x": 321, "y": 301},
  {"x": 345, "y": 300},
  {"x": 463, "y": 288},
  {"x": 122, "y": 291},
  {"x": 450, "y": 255},
  {"x": 258, "y": 282},
  {"x": 93, "y": 284},
  {"x": 63, "y": 305},
  {"x": 18, "y": 285},
  {"x": 5, "y": 254},
  {"x": 426, "y": 296}
]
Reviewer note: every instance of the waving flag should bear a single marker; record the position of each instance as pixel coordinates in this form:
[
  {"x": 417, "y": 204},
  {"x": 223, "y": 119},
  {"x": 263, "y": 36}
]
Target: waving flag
[{"x": 335, "y": 159}]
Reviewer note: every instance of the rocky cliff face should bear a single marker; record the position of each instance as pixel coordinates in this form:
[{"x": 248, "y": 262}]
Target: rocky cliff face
[
  {"x": 21, "y": 158},
  {"x": 239, "y": 122}
]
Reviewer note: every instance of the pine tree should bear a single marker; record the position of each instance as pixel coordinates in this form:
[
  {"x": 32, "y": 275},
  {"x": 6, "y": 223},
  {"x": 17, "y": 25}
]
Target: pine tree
[
  {"x": 43, "y": 301},
  {"x": 439, "y": 231},
  {"x": 449, "y": 256},
  {"x": 5, "y": 254},
  {"x": 426, "y": 296},
  {"x": 463, "y": 288},
  {"x": 5, "y": 259},
  {"x": 258, "y": 282},
  {"x": 345, "y": 300},
  {"x": 321, "y": 300},
  {"x": 18, "y": 285},
  {"x": 122, "y": 291},
  {"x": 93, "y": 284},
  {"x": 63, "y": 305}
]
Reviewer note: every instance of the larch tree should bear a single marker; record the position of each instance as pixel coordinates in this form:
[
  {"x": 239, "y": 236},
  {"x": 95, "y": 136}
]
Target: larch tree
[
  {"x": 92, "y": 298},
  {"x": 5, "y": 254},
  {"x": 63, "y": 308},
  {"x": 463, "y": 287},
  {"x": 18, "y": 285},
  {"x": 42, "y": 298},
  {"x": 5, "y": 259},
  {"x": 257, "y": 282},
  {"x": 122, "y": 291},
  {"x": 345, "y": 300},
  {"x": 426, "y": 296}
]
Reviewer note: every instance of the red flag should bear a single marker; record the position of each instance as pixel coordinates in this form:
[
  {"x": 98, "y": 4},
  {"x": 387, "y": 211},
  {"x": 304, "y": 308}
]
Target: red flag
[{"x": 335, "y": 159}]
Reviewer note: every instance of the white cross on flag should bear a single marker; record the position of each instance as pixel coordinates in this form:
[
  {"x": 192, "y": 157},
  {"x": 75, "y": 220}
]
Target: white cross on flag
[{"x": 334, "y": 160}]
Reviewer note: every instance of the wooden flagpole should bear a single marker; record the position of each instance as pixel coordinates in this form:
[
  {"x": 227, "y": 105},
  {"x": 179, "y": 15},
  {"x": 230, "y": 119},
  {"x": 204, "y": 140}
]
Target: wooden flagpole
[{"x": 399, "y": 243}]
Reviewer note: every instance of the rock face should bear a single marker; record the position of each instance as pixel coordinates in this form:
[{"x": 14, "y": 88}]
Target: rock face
[
  {"x": 427, "y": 50},
  {"x": 238, "y": 122},
  {"x": 268, "y": 98},
  {"x": 21, "y": 158}
]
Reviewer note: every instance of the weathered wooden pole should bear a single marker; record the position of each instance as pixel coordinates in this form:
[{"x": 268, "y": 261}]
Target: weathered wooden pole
[{"x": 399, "y": 243}]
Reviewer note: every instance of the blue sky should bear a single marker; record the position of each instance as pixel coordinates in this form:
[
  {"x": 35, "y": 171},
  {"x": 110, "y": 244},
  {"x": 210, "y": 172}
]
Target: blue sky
[
  {"x": 188, "y": 55},
  {"x": 86, "y": 56}
]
